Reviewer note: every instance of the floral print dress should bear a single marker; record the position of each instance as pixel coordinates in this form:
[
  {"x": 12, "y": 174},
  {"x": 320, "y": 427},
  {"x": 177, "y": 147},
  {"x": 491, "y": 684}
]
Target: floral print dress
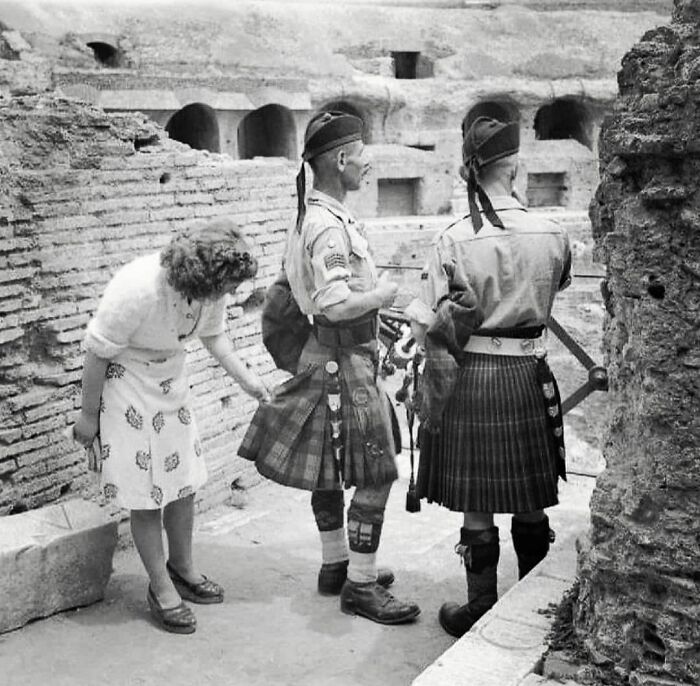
[{"x": 151, "y": 449}]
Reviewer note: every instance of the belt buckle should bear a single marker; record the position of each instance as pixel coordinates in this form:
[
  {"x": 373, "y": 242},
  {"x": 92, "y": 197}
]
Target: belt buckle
[{"x": 527, "y": 345}]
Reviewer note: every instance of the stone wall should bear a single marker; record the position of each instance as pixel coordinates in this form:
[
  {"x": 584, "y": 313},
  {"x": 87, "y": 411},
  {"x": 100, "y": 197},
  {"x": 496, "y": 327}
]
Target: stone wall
[
  {"x": 638, "y": 607},
  {"x": 81, "y": 193},
  {"x": 421, "y": 174},
  {"x": 238, "y": 58}
]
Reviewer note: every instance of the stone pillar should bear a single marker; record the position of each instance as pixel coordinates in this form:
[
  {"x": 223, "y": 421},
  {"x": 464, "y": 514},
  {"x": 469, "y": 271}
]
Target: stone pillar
[{"x": 639, "y": 605}]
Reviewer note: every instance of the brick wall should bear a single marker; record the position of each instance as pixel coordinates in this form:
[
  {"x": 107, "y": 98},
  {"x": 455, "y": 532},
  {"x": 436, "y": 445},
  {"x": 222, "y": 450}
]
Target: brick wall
[{"x": 81, "y": 193}]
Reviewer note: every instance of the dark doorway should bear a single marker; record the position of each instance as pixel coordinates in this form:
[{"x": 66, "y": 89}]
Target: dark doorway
[
  {"x": 563, "y": 119},
  {"x": 350, "y": 108},
  {"x": 495, "y": 109},
  {"x": 546, "y": 190},
  {"x": 195, "y": 125},
  {"x": 405, "y": 64},
  {"x": 107, "y": 55},
  {"x": 397, "y": 197},
  {"x": 267, "y": 132}
]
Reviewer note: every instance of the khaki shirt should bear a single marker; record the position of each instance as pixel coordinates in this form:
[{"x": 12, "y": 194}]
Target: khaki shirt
[
  {"x": 329, "y": 258},
  {"x": 515, "y": 273}
]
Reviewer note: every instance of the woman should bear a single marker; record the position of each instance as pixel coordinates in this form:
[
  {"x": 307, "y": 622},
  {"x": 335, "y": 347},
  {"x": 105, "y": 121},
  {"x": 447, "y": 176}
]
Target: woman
[{"x": 136, "y": 398}]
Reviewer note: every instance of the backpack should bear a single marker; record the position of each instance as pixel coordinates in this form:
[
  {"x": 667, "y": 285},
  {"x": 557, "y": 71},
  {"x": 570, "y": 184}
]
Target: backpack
[{"x": 285, "y": 328}]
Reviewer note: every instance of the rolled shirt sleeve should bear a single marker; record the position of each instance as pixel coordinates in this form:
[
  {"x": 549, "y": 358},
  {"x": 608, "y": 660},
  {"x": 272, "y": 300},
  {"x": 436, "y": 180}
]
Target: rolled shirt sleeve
[
  {"x": 124, "y": 305},
  {"x": 330, "y": 264},
  {"x": 213, "y": 319},
  {"x": 434, "y": 285},
  {"x": 565, "y": 280}
]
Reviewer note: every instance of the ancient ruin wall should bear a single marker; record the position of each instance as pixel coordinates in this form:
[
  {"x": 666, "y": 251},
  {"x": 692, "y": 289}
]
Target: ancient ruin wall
[
  {"x": 81, "y": 193},
  {"x": 638, "y": 607}
]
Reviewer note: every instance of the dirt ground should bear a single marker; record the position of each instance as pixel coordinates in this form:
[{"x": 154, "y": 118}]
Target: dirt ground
[{"x": 273, "y": 628}]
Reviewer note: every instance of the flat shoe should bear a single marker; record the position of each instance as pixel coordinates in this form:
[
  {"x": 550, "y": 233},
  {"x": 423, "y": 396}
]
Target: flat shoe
[
  {"x": 176, "y": 620},
  {"x": 205, "y": 592}
]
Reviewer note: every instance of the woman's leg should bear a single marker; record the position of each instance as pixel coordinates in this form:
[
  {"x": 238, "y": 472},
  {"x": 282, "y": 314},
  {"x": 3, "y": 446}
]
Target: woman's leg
[
  {"x": 178, "y": 520},
  {"x": 147, "y": 532}
]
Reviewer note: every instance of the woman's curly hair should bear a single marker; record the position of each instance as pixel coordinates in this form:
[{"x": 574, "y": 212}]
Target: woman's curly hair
[{"x": 203, "y": 260}]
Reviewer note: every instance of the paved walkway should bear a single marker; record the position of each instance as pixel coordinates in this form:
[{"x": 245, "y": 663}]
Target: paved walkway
[{"x": 273, "y": 627}]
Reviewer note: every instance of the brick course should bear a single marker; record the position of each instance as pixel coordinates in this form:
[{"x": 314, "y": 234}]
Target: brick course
[{"x": 78, "y": 201}]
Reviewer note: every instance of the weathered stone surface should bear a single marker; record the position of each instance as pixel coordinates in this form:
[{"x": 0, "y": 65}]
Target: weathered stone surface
[
  {"x": 505, "y": 646},
  {"x": 100, "y": 189},
  {"x": 557, "y": 666},
  {"x": 638, "y": 605},
  {"x": 53, "y": 559}
]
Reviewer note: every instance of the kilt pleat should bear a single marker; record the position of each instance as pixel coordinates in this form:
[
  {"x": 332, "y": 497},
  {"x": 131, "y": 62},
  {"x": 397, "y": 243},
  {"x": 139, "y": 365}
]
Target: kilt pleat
[
  {"x": 494, "y": 451},
  {"x": 368, "y": 443},
  {"x": 289, "y": 438}
]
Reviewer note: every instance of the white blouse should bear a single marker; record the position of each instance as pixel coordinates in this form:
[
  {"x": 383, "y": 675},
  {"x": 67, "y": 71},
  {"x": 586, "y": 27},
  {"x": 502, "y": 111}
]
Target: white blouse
[{"x": 140, "y": 310}]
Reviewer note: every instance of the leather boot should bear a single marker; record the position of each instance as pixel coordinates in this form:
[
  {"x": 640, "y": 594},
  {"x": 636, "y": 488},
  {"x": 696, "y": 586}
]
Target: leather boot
[
  {"x": 480, "y": 551},
  {"x": 531, "y": 542},
  {"x": 374, "y": 602},
  {"x": 332, "y": 576}
]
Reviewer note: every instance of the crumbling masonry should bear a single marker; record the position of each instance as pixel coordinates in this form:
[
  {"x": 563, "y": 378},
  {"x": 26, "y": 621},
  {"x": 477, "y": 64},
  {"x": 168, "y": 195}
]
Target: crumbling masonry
[
  {"x": 638, "y": 609},
  {"x": 82, "y": 192}
]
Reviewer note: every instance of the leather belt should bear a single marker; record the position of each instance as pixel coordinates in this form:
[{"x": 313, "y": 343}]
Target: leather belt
[
  {"x": 344, "y": 335},
  {"x": 493, "y": 345}
]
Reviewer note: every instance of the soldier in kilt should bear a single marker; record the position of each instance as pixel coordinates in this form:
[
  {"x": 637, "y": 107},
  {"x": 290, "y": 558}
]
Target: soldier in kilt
[
  {"x": 498, "y": 444},
  {"x": 330, "y": 278}
]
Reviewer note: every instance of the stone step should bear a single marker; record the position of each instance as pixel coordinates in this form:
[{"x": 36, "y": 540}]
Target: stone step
[
  {"x": 505, "y": 647},
  {"x": 53, "y": 559}
]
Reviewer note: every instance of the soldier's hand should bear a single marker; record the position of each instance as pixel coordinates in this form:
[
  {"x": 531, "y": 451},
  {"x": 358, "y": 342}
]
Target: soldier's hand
[{"x": 386, "y": 289}]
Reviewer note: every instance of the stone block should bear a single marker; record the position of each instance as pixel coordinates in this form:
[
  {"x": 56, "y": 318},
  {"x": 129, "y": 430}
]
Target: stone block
[
  {"x": 53, "y": 559},
  {"x": 558, "y": 666}
]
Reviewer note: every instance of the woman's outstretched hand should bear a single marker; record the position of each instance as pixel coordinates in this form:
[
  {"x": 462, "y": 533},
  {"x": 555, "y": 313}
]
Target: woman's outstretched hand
[{"x": 255, "y": 387}]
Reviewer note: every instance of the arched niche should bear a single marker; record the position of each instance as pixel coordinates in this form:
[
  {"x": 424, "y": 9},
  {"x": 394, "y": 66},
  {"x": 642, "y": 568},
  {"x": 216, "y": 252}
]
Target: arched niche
[
  {"x": 106, "y": 54},
  {"x": 197, "y": 126},
  {"x": 502, "y": 110},
  {"x": 268, "y": 131},
  {"x": 565, "y": 118},
  {"x": 350, "y": 108}
]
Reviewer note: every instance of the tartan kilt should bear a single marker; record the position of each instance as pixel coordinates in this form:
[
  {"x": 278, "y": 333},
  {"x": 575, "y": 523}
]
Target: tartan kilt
[
  {"x": 495, "y": 450},
  {"x": 289, "y": 438}
]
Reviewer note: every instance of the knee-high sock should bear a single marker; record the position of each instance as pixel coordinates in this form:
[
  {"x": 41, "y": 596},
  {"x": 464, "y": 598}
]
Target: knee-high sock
[
  {"x": 531, "y": 542},
  {"x": 364, "y": 531},
  {"x": 328, "y": 508}
]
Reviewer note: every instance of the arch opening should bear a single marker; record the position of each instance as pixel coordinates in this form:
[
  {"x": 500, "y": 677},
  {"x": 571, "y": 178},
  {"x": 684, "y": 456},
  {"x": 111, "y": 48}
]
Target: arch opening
[
  {"x": 268, "y": 131},
  {"x": 197, "y": 126},
  {"x": 105, "y": 54},
  {"x": 564, "y": 118}
]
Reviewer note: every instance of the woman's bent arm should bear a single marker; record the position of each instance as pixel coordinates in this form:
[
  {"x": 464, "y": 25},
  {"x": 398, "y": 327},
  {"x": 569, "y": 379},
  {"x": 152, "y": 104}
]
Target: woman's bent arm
[
  {"x": 88, "y": 424},
  {"x": 221, "y": 348}
]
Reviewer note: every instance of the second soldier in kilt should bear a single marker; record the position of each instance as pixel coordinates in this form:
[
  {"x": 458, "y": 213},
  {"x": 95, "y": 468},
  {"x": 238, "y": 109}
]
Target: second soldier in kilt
[
  {"x": 329, "y": 276},
  {"x": 497, "y": 446}
]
